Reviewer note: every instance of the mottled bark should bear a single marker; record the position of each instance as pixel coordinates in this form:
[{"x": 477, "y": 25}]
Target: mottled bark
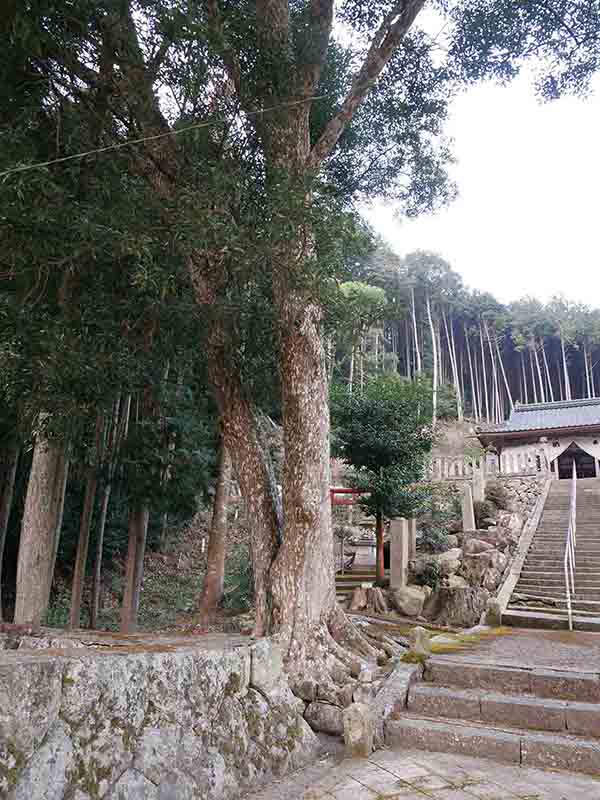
[
  {"x": 40, "y": 528},
  {"x": 83, "y": 542},
  {"x": 212, "y": 588},
  {"x": 303, "y": 573},
  {"x": 8, "y": 470}
]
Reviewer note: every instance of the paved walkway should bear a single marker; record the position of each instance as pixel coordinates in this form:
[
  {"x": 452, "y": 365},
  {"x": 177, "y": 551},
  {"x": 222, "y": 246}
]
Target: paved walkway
[
  {"x": 416, "y": 775},
  {"x": 562, "y": 650}
]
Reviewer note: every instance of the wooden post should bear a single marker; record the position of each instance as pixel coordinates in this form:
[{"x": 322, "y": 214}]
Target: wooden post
[{"x": 412, "y": 538}]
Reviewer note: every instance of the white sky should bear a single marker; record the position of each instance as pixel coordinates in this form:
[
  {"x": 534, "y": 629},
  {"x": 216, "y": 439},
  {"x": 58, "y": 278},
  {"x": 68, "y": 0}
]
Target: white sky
[{"x": 527, "y": 220}]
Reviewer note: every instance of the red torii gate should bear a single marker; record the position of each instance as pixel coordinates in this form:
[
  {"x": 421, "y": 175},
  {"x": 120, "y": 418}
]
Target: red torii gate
[{"x": 349, "y": 497}]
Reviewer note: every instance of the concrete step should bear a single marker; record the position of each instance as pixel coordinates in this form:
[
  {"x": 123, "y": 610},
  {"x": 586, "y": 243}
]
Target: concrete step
[
  {"x": 517, "y": 711},
  {"x": 525, "y": 617},
  {"x": 582, "y": 687},
  {"x": 542, "y": 750}
]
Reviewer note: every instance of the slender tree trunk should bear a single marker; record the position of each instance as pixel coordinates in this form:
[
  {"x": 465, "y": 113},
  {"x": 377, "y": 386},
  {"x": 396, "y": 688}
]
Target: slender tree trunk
[
  {"x": 504, "y": 378},
  {"x": 8, "y": 469},
  {"x": 379, "y": 557},
  {"x": 408, "y": 364},
  {"x": 435, "y": 359},
  {"x": 138, "y": 529},
  {"x": 533, "y": 382},
  {"x": 484, "y": 381},
  {"x": 495, "y": 392},
  {"x": 351, "y": 376},
  {"x": 40, "y": 529},
  {"x": 547, "y": 370},
  {"x": 566, "y": 370},
  {"x": 416, "y": 335},
  {"x": 212, "y": 588},
  {"x": 362, "y": 364},
  {"x": 587, "y": 370},
  {"x": 539, "y": 373},
  {"x": 453, "y": 365},
  {"x": 526, "y": 396},
  {"x": 376, "y": 352},
  {"x": 97, "y": 575},
  {"x": 476, "y": 412},
  {"x": 82, "y": 547}
]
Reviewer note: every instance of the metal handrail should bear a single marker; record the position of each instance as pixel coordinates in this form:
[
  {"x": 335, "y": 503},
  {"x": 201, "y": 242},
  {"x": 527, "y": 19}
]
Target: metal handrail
[{"x": 571, "y": 546}]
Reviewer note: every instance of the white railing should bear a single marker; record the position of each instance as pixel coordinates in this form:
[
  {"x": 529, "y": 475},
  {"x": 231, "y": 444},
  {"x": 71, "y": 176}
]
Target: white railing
[
  {"x": 524, "y": 461},
  {"x": 570, "y": 548}
]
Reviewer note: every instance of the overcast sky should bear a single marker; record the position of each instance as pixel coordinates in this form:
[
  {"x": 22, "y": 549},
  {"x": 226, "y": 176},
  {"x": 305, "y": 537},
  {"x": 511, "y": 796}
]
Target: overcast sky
[{"x": 527, "y": 220}]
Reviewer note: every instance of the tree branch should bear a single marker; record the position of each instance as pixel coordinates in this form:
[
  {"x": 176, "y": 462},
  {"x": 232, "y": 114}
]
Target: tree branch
[{"x": 383, "y": 46}]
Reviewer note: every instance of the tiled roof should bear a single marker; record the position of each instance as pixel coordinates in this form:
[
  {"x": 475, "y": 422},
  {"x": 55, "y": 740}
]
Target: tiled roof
[{"x": 550, "y": 416}]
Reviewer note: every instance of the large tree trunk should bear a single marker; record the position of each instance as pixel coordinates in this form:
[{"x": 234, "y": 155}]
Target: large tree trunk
[
  {"x": 303, "y": 572},
  {"x": 8, "y": 470},
  {"x": 138, "y": 529},
  {"x": 40, "y": 529},
  {"x": 212, "y": 588},
  {"x": 82, "y": 547}
]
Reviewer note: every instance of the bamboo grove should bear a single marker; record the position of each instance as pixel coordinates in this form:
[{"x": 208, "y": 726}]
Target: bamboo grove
[{"x": 485, "y": 354}]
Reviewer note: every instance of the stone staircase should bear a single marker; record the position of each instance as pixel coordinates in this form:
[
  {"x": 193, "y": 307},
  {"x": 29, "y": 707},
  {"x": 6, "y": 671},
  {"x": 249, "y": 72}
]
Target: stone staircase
[
  {"x": 345, "y": 584},
  {"x": 535, "y": 717},
  {"x": 539, "y": 598}
]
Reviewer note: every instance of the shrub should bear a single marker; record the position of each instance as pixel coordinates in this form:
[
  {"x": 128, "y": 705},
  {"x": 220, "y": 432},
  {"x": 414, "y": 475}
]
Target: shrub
[
  {"x": 433, "y": 539},
  {"x": 483, "y": 509},
  {"x": 429, "y": 575},
  {"x": 496, "y": 494}
]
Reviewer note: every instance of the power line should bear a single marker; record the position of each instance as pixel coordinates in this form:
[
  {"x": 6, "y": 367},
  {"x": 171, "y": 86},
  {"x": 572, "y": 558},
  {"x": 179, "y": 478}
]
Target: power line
[{"x": 141, "y": 140}]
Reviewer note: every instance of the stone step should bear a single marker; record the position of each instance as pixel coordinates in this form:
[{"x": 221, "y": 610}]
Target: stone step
[
  {"x": 583, "y": 687},
  {"x": 525, "y": 617},
  {"x": 531, "y": 749},
  {"x": 591, "y": 591},
  {"x": 517, "y": 711}
]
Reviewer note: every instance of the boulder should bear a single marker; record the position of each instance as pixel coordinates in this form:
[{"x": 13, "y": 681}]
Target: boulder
[
  {"x": 456, "y": 582},
  {"x": 449, "y": 561},
  {"x": 359, "y": 730},
  {"x": 474, "y": 546},
  {"x": 453, "y": 541},
  {"x": 474, "y": 567},
  {"x": 409, "y": 600},
  {"x": 325, "y": 718}
]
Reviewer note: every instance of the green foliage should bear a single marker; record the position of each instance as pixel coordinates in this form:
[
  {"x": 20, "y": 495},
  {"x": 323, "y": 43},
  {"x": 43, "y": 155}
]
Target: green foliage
[
  {"x": 433, "y": 538},
  {"x": 496, "y": 494},
  {"x": 430, "y": 575},
  {"x": 383, "y": 434}
]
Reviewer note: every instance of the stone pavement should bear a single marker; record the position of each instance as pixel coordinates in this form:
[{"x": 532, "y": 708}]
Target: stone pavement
[{"x": 415, "y": 775}]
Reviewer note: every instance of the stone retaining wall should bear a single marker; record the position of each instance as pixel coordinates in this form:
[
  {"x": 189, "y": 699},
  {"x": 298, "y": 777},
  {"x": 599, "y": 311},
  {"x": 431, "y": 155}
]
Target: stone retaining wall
[
  {"x": 523, "y": 491},
  {"x": 171, "y": 719}
]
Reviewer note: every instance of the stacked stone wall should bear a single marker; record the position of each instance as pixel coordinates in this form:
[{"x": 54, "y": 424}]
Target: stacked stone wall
[{"x": 167, "y": 720}]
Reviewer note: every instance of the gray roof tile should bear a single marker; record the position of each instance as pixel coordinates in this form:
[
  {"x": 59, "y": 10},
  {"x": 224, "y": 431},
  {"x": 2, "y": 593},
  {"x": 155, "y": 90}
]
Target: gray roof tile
[{"x": 549, "y": 416}]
